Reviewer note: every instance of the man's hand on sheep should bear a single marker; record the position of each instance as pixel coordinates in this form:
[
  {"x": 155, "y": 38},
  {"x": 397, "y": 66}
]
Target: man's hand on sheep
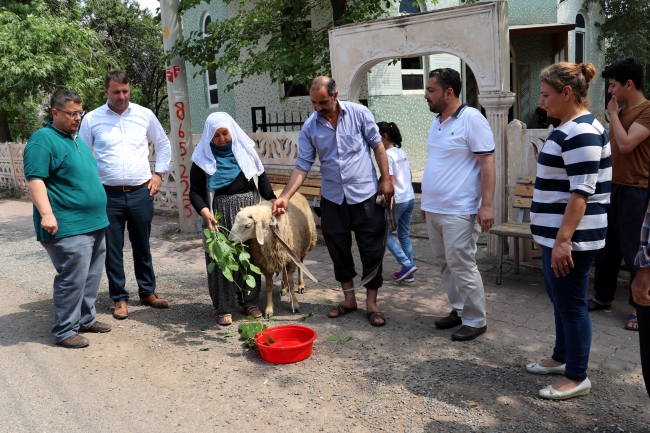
[
  {"x": 209, "y": 218},
  {"x": 280, "y": 205}
]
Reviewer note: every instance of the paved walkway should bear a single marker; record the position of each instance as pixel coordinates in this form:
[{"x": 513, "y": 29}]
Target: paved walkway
[{"x": 520, "y": 314}]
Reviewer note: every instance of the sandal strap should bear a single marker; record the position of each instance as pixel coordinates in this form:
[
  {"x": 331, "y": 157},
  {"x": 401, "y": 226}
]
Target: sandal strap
[{"x": 250, "y": 309}]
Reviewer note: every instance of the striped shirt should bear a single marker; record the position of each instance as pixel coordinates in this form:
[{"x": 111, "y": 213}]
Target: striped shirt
[
  {"x": 642, "y": 258},
  {"x": 576, "y": 157}
]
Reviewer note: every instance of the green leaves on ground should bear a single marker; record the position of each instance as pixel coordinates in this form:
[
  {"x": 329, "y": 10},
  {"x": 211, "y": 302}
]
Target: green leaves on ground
[
  {"x": 204, "y": 349},
  {"x": 333, "y": 338},
  {"x": 304, "y": 316},
  {"x": 248, "y": 330},
  {"x": 205, "y": 328},
  {"x": 232, "y": 334}
]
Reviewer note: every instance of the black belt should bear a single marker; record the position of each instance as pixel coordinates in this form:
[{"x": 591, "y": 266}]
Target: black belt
[{"x": 126, "y": 187}]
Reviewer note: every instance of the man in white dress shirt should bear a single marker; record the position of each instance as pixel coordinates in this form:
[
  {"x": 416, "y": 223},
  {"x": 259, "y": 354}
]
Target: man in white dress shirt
[{"x": 118, "y": 133}]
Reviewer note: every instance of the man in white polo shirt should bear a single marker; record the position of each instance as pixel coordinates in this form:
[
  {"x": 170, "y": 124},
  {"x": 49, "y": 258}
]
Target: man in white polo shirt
[
  {"x": 457, "y": 195},
  {"x": 119, "y": 133}
]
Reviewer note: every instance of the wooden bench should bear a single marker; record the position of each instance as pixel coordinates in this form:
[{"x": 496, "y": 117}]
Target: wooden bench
[{"x": 516, "y": 229}]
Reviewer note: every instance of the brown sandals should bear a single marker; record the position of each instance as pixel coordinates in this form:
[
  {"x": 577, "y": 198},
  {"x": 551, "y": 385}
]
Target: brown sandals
[{"x": 251, "y": 310}]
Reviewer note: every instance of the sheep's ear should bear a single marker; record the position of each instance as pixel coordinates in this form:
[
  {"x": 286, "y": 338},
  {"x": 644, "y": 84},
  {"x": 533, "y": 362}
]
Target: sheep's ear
[{"x": 259, "y": 232}]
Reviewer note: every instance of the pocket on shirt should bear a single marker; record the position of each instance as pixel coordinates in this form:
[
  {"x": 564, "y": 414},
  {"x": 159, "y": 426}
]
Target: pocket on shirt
[{"x": 352, "y": 142}]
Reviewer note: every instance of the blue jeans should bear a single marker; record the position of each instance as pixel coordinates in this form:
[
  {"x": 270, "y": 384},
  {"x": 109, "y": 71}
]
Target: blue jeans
[
  {"x": 79, "y": 262},
  {"x": 132, "y": 210},
  {"x": 404, "y": 253},
  {"x": 572, "y": 322}
]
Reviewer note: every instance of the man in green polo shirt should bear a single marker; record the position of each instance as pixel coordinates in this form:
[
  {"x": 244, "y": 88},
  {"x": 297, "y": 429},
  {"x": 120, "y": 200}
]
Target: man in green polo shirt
[{"x": 69, "y": 217}]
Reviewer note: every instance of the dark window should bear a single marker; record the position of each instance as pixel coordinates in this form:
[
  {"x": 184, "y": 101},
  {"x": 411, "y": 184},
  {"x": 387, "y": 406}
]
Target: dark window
[
  {"x": 580, "y": 21},
  {"x": 580, "y": 47},
  {"x": 412, "y": 82},
  {"x": 207, "y": 21},
  {"x": 407, "y": 6},
  {"x": 412, "y": 63},
  {"x": 212, "y": 78},
  {"x": 214, "y": 96},
  {"x": 292, "y": 90}
]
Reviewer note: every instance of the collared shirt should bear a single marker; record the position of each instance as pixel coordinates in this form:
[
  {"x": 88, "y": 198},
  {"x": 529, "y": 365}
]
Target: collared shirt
[
  {"x": 69, "y": 172},
  {"x": 121, "y": 144},
  {"x": 451, "y": 183},
  {"x": 642, "y": 258},
  {"x": 345, "y": 164}
]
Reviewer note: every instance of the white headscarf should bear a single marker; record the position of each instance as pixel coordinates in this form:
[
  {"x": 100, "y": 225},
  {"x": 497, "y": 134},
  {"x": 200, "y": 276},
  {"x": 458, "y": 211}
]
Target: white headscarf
[{"x": 242, "y": 146}]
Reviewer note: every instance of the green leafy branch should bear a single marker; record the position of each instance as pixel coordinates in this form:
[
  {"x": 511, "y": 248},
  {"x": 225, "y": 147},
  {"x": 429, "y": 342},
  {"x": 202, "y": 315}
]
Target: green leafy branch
[{"x": 229, "y": 256}]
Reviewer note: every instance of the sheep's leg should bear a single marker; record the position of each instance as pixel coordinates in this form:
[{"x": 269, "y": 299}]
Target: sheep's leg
[
  {"x": 301, "y": 282},
  {"x": 283, "y": 284},
  {"x": 294, "y": 300},
  {"x": 269, "y": 295}
]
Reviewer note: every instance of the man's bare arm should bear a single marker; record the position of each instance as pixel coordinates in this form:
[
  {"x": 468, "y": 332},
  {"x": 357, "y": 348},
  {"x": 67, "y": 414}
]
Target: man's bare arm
[
  {"x": 38, "y": 191},
  {"x": 625, "y": 140},
  {"x": 386, "y": 186},
  {"x": 485, "y": 216},
  {"x": 295, "y": 181}
]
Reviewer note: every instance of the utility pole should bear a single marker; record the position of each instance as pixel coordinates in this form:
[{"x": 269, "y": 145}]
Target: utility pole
[{"x": 179, "y": 115}]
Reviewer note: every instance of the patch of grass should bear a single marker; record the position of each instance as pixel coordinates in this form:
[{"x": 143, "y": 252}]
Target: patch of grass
[
  {"x": 13, "y": 194},
  {"x": 166, "y": 213},
  {"x": 168, "y": 233}
]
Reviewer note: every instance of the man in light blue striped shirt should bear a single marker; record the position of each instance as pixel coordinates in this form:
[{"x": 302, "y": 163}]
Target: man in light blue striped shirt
[{"x": 342, "y": 133}]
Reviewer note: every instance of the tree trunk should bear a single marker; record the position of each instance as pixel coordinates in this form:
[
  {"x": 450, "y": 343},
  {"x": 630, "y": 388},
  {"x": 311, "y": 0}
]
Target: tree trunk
[
  {"x": 338, "y": 9},
  {"x": 5, "y": 134}
]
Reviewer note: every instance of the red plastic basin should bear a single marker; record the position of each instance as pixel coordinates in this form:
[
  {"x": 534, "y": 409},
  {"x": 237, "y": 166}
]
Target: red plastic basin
[{"x": 291, "y": 343}]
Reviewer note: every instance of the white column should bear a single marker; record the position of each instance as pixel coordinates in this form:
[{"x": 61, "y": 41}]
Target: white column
[
  {"x": 179, "y": 115},
  {"x": 496, "y": 106}
]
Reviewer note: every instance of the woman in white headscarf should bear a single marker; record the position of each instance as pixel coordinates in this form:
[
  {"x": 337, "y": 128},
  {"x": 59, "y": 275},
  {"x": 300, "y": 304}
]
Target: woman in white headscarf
[{"x": 226, "y": 164}]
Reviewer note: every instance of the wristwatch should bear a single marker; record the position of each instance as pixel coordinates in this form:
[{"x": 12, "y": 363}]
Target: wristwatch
[{"x": 160, "y": 175}]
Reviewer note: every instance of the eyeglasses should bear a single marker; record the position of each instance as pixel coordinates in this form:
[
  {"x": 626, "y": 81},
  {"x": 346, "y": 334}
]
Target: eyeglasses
[{"x": 73, "y": 114}]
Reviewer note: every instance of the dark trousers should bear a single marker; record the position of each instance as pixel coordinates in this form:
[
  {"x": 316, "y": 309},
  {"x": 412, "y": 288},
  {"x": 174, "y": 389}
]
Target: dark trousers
[
  {"x": 366, "y": 220},
  {"x": 572, "y": 321},
  {"x": 132, "y": 210},
  {"x": 625, "y": 216},
  {"x": 643, "y": 314}
]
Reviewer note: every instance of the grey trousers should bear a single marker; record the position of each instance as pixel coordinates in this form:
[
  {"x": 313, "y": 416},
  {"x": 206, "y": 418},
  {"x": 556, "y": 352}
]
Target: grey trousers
[
  {"x": 79, "y": 262},
  {"x": 453, "y": 241}
]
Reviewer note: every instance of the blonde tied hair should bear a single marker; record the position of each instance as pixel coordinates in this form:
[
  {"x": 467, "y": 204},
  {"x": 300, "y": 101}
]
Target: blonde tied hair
[{"x": 576, "y": 76}]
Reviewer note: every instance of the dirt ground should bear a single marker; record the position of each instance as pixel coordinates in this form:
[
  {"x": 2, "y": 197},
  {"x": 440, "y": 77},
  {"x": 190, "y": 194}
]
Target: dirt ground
[{"x": 150, "y": 372}]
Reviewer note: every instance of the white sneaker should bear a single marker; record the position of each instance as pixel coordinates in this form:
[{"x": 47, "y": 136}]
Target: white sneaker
[
  {"x": 535, "y": 368},
  {"x": 409, "y": 279},
  {"x": 553, "y": 394}
]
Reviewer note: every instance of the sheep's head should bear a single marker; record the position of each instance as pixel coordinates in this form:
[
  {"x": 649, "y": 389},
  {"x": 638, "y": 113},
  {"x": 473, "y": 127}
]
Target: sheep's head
[{"x": 251, "y": 222}]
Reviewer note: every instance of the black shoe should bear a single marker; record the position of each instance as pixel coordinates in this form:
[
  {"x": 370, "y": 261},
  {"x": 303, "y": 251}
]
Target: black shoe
[
  {"x": 468, "y": 333},
  {"x": 449, "y": 321}
]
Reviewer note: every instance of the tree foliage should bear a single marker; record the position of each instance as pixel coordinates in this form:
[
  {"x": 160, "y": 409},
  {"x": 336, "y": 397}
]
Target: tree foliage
[
  {"x": 625, "y": 31},
  {"x": 267, "y": 37},
  {"x": 133, "y": 36},
  {"x": 41, "y": 51}
]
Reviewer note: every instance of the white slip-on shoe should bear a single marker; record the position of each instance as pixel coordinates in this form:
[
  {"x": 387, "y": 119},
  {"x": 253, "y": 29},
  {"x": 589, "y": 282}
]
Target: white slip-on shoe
[
  {"x": 535, "y": 368},
  {"x": 553, "y": 394}
]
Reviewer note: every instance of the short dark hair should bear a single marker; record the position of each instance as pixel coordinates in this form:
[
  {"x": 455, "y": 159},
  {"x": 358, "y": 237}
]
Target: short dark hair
[
  {"x": 327, "y": 82},
  {"x": 625, "y": 69},
  {"x": 62, "y": 97},
  {"x": 446, "y": 78},
  {"x": 117, "y": 76}
]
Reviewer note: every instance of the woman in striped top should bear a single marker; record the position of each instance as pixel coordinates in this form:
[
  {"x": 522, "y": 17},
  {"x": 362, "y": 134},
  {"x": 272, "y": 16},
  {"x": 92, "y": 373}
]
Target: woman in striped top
[{"x": 569, "y": 220}]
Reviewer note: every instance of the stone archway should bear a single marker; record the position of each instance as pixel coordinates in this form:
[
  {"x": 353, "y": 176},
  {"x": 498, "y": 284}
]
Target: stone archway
[{"x": 478, "y": 34}]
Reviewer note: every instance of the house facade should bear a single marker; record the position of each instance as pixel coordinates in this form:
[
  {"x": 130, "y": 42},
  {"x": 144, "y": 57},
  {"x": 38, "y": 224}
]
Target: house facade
[{"x": 541, "y": 33}]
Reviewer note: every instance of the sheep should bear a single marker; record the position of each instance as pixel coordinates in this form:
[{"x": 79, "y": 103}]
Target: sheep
[{"x": 297, "y": 229}]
